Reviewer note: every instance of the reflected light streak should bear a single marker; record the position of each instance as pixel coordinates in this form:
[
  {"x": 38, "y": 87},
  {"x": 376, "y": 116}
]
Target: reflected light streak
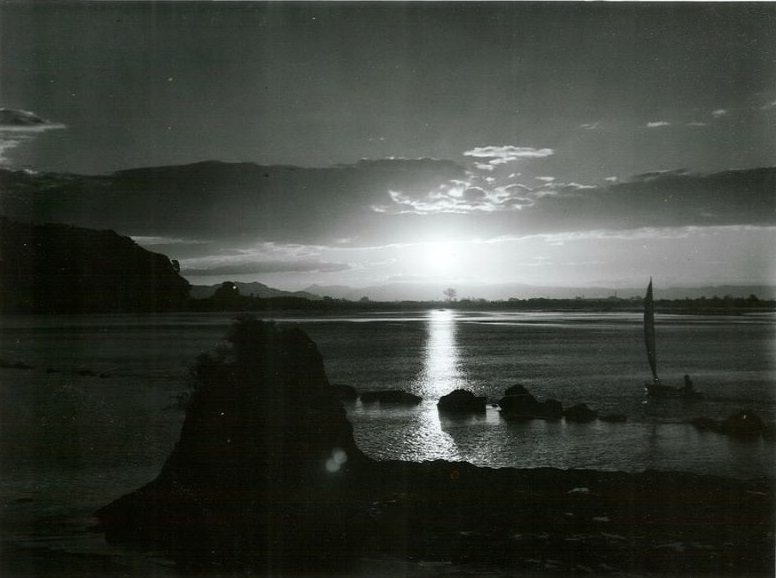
[
  {"x": 441, "y": 370},
  {"x": 441, "y": 374}
]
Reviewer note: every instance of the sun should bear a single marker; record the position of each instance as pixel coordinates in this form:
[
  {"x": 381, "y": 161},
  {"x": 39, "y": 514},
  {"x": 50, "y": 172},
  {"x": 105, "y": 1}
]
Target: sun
[{"x": 439, "y": 258}]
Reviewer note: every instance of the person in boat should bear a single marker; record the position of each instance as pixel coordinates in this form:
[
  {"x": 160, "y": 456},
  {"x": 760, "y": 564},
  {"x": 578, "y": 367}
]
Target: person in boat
[{"x": 688, "y": 386}]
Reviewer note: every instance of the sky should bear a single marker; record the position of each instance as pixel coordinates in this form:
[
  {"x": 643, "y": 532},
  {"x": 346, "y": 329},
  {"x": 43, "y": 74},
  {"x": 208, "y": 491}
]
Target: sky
[{"x": 570, "y": 144}]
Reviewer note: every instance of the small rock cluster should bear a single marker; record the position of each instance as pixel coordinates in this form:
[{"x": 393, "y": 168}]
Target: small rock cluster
[{"x": 519, "y": 403}]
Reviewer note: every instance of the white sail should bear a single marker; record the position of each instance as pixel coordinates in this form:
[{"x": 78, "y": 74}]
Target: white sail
[{"x": 649, "y": 330}]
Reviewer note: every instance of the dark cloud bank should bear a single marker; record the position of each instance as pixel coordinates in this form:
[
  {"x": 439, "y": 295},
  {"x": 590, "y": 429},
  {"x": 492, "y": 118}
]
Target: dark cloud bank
[
  {"x": 263, "y": 267},
  {"x": 374, "y": 202}
]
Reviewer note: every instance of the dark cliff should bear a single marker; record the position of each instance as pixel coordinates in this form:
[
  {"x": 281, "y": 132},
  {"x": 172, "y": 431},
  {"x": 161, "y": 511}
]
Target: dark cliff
[{"x": 55, "y": 268}]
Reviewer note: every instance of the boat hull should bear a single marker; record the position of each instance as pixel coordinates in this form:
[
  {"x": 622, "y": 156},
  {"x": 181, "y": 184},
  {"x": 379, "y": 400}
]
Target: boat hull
[{"x": 667, "y": 391}]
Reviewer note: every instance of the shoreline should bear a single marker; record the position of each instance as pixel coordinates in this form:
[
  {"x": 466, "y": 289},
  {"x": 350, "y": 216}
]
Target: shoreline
[
  {"x": 441, "y": 515},
  {"x": 441, "y": 518}
]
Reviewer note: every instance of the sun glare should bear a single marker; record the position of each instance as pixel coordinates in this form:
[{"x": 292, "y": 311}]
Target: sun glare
[{"x": 440, "y": 258}]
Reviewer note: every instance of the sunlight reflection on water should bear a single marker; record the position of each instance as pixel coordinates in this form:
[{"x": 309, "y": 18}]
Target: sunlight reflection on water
[
  {"x": 441, "y": 361},
  {"x": 440, "y": 375}
]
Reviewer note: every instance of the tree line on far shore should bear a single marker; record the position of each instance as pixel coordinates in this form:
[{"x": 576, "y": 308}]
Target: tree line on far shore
[{"x": 228, "y": 298}]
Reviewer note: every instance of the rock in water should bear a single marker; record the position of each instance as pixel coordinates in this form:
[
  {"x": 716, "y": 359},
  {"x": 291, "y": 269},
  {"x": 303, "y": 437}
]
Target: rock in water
[
  {"x": 518, "y": 402},
  {"x": 745, "y": 423},
  {"x": 551, "y": 409},
  {"x": 261, "y": 474},
  {"x": 580, "y": 413},
  {"x": 742, "y": 424},
  {"x": 461, "y": 401}
]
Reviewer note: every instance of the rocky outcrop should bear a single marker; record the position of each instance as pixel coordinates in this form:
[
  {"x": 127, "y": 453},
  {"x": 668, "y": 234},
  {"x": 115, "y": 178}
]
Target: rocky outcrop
[
  {"x": 265, "y": 446},
  {"x": 550, "y": 409},
  {"x": 461, "y": 401},
  {"x": 56, "y": 268},
  {"x": 519, "y": 403},
  {"x": 742, "y": 424}
]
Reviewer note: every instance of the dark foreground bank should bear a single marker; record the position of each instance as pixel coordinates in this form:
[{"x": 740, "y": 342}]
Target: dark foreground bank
[{"x": 266, "y": 477}]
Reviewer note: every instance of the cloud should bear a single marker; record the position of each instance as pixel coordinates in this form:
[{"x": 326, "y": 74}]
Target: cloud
[
  {"x": 653, "y": 200},
  {"x": 649, "y": 233},
  {"x": 236, "y": 203},
  {"x": 459, "y": 197},
  {"x": 678, "y": 198},
  {"x": 7, "y": 144},
  {"x": 264, "y": 267},
  {"x": 591, "y": 125},
  {"x": 478, "y": 195},
  {"x": 152, "y": 241},
  {"x": 508, "y": 153},
  {"x": 625, "y": 235},
  {"x": 20, "y": 126},
  {"x": 658, "y": 124},
  {"x": 371, "y": 203},
  {"x": 719, "y": 113},
  {"x": 696, "y": 124},
  {"x": 769, "y": 105},
  {"x": 559, "y": 189},
  {"x": 657, "y": 174},
  {"x": 177, "y": 248},
  {"x": 500, "y": 161}
]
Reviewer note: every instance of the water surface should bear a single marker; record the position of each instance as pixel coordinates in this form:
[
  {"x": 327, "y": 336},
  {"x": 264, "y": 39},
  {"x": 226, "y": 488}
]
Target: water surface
[{"x": 72, "y": 442}]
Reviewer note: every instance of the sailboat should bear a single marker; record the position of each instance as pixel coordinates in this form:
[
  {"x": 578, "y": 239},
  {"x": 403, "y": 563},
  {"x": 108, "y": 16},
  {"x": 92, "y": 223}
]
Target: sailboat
[{"x": 656, "y": 388}]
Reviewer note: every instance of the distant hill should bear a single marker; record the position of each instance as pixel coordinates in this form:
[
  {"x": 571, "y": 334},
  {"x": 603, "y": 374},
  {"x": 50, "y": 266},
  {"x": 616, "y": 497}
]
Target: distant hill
[
  {"x": 54, "y": 268},
  {"x": 433, "y": 291},
  {"x": 256, "y": 289}
]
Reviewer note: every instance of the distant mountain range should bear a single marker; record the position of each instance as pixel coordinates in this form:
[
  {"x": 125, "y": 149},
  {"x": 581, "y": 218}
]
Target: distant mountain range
[
  {"x": 433, "y": 292},
  {"x": 255, "y": 289}
]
